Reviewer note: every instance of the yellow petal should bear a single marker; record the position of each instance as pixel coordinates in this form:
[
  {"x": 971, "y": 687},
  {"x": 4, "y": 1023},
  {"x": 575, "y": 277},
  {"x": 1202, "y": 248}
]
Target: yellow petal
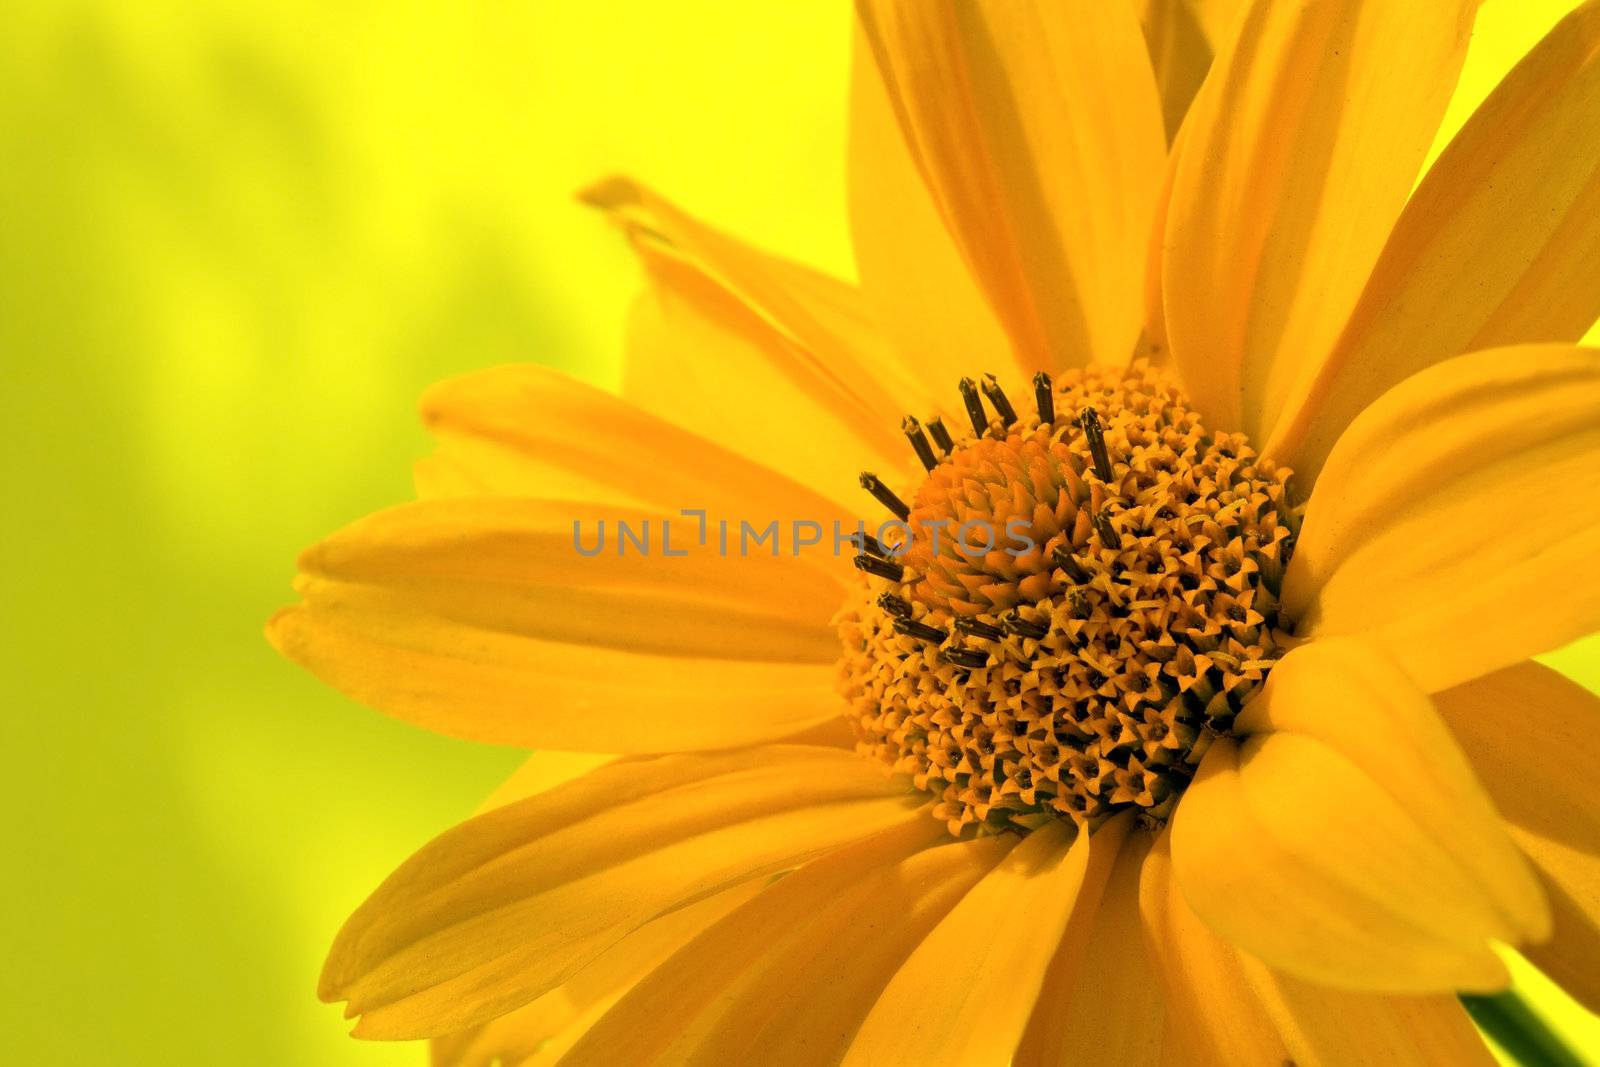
[
  {"x": 541, "y": 772},
  {"x": 533, "y": 1028},
  {"x": 1225, "y": 1006},
  {"x": 446, "y": 473},
  {"x": 529, "y": 431},
  {"x": 911, "y": 273},
  {"x": 1349, "y": 907},
  {"x": 1453, "y": 515},
  {"x": 512, "y": 690},
  {"x": 513, "y": 902},
  {"x": 504, "y": 561},
  {"x": 836, "y": 335},
  {"x": 1183, "y": 36},
  {"x": 1532, "y": 736},
  {"x": 1498, "y": 246},
  {"x": 1298, "y": 156},
  {"x": 1345, "y": 840},
  {"x": 965, "y": 995},
  {"x": 1156, "y": 342},
  {"x": 472, "y": 617},
  {"x": 1574, "y": 944},
  {"x": 1357, "y": 701},
  {"x": 1209, "y": 1004},
  {"x": 788, "y": 977},
  {"x": 1038, "y": 130},
  {"x": 1100, "y": 1002},
  {"x": 703, "y": 356}
]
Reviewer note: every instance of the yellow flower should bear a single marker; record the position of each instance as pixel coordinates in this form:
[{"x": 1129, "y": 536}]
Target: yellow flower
[{"x": 1222, "y": 766}]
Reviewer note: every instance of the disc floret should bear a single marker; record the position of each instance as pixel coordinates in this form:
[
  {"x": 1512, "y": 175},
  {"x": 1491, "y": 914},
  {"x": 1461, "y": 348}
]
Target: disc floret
[{"x": 1117, "y": 605}]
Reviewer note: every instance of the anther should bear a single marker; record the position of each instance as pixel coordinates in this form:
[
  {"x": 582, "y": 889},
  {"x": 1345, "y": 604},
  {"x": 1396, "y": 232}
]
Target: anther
[
  {"x": 885, "y": 495},
  {"x": 919, "y": 442},
  {"x": 899, "y": 607},
  {"x": 883, "y": 568},
  {"x": 1022, "y": 627},
  {"x": 1044, "y": 395},
  {"x": 974, "y": 403},
  {"x": 997, "y": 397},
  {"x": 1090, "y": 421},
  {"x": 872, "y": 545},
  {"x": 1108, "y": 533},
  {"x": 1064, "y": 559},
  {"x": 912, "y": 628},
  {"x": 971, "y": 658},
  {"x": 975, "y": 627},
  {"x": 941, "y": 436}
]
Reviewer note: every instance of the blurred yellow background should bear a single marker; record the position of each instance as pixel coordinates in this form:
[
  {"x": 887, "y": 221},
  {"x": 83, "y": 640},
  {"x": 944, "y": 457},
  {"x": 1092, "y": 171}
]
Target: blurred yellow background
[{"x": 236, "y": 241}]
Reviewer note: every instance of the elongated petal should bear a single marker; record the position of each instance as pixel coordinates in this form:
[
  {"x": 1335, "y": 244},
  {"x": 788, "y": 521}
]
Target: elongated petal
[
  {"x": 532, "y": 1029},
  {"x": 1225, "y": 1006},
  {"x": 1101, "y": 1002},
  {"x": 512, "y": 690},
  {"x": 477, "y": 618},
  {"x": 1500, "y": 245},
  {"x": 1357, "y": 701},
  {"x": 835, "y": 333},
  {"x": 1454, "y": 513},
  {"x": 515, "y": 901},
  {"x": 1346, "y": 841},
  {"x": 1534, "y": 738},
  {"x": 1183, "y": 36},
  {"x": 527, "y": 567},
  {"x": 966, "y": 993},
  {"x": 1574, "y": 944},
  {"x": 1251, "y": 861},
  {"x": 1298, "y": 156},
  {"x": 1199, "y": 970},
  {"x": 705, "y": 355},
  {"x": 1156, "y": 342},
  {"x": 1038, "y": 129},
  {"x": 529, "y": 431},
  {"x": 541, "y": 772},
  {"x": 787, "y": 978},
  {"x": 912, "y": 275}
]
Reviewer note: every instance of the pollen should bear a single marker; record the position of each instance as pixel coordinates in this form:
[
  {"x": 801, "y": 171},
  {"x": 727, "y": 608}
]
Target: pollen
[{"x": 1075, "y": 602}]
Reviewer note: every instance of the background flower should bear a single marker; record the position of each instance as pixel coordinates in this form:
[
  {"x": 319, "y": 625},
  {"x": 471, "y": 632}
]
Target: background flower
[{"x": 237, "y": 241}]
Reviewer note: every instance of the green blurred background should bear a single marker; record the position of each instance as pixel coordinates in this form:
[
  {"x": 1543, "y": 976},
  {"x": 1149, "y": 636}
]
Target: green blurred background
[{"x": 236, "y": 241}]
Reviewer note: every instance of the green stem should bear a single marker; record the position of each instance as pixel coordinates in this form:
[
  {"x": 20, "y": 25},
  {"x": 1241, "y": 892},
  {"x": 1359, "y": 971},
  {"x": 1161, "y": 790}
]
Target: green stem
[{"x": 1519, "y": 1030}]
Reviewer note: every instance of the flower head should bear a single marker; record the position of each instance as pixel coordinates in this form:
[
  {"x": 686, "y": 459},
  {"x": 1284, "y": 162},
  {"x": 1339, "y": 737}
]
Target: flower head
[{"x": 1179, "y": 700}]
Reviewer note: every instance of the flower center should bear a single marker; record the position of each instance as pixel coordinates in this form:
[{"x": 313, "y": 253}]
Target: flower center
[{"x": 1074, "y": 605}]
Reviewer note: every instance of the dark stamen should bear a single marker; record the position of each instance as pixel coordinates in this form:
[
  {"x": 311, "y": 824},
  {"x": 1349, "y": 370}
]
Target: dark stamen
[
  {"x": 970, "y": 658},
  {"x": 1044, "y": 395},
  {"x": 919, "y": 442},
  {"x": 975, "y": 627},
  {"x": 1018, "y": 625},
  {"x": 1090, "y": 420},
  {"x": 871, "y": 544},
  {"x": 918, "y": 629},
  {"x": 883, "y": 568},
  {"x": 1108, "y": 532},
  {"x": 885, "y": 495},
  {"x": 997, "y": 397},
  {"x": 970, "y": 397},
  {"x": 1069, "y": 563},
  {"x": 897, "y": 606},
  {"x": 941, "y": 436}
]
